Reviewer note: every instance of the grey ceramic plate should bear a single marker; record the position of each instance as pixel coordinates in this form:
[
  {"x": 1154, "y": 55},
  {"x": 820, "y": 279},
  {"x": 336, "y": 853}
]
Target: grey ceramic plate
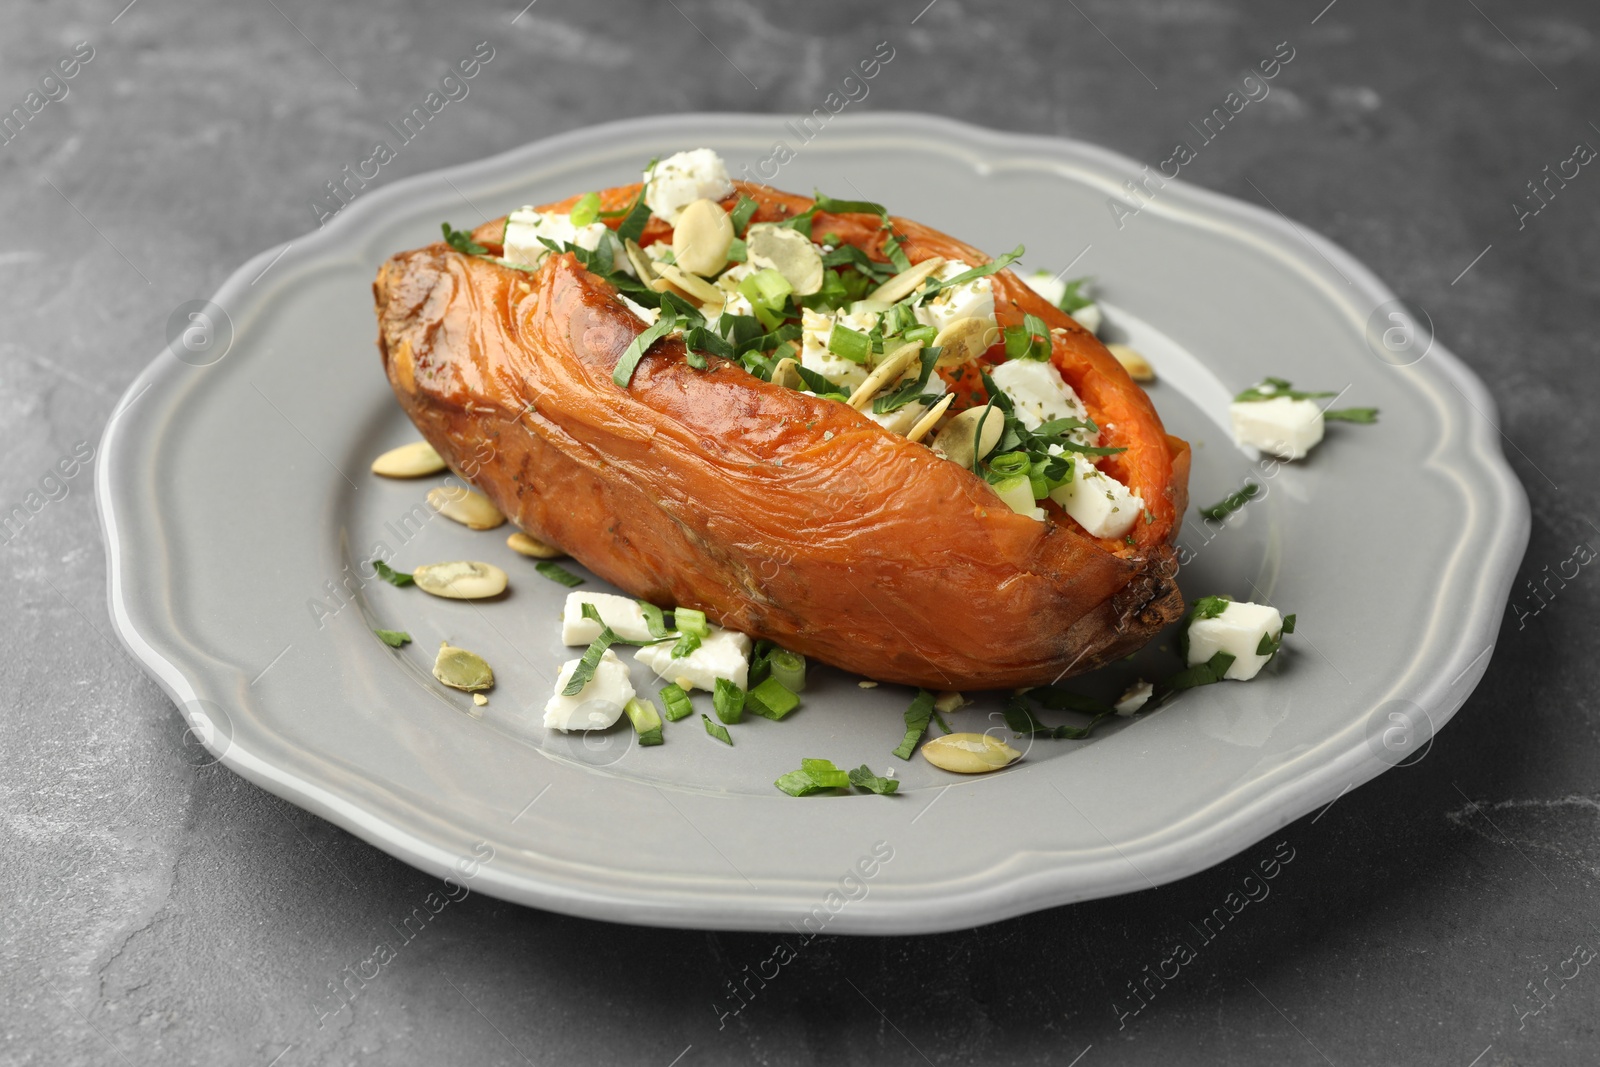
[{"x": 235, "y": 501}]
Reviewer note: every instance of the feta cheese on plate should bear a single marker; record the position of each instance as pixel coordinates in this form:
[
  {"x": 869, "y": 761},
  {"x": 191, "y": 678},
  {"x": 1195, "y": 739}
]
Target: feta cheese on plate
[
  {"x": 1238, "y": 631},
  {"x": 681, "y": 179},
  {"x": 1134, "y": 698},
  {"x": 1088, "y": 317},
  {"x": 815, "y": 327},
  {"x": 1039, "y": 394},
  {"x": 621, "y": 613},
  {"x": 1284, "y": 427},
  {"x": 598, "y": 704},
  {"x": 724, "y": 654},
  {"x": 525, "y": 226},
  {"x": 974, "y": 299},
  {"x": 1046, "y": 285},
  {"x": 1100, "y": 504}
]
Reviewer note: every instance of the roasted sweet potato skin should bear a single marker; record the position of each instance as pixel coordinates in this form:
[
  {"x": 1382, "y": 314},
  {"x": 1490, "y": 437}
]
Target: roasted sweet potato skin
[{"x": 780, "y": 514}]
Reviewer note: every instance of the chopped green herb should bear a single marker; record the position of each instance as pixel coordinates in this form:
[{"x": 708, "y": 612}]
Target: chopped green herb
[
  {"x": 583, "y": 673},
  {"x": 1207, "y": 607},
  {"x": 716, "y": 729},
  {"x": 691, "y": 621},
  {"x": 1073, "y": 299},
  {"x": 641, "y": 344},
  {"x": 814, "y": 776},
  {"x": 728, "y": 701},
  {"x": 646, "y": 721},
  {"x": 863, "y": 778},
  {"x": 686, "y": 646},
  {"x": 771, "y": 699},
  {"x": 390, "y": 575},
  {"x": 917, "y": 716},
  {"x": 393, "y": 638},
  {"x": 559, "y": 574},
  {"x": 1361, "y": 415},
  {"x": 978, "y": 272},
  {"x": 1273, "y": 388},
  {"x": 586, "y": 210},
  {"x": 461, "y": 241},
  {"x": 1022, "y": 720},
  {"x": 1230, "y": 503},
  {"x": 893, "y": 250},
  {"x": 677, "y": 702},
  {"x": 1269, "y": 645},
  {"x": 633, "y": 223},
  {"x": 654, "y": 619},
  {"x": 1212, "y": 670},
  {"x": 1288, "y": 623},
  {"x": 740, "y": 215},
  {"x": 761, "y": 660},
  {"x": 1031, "y": 340}
]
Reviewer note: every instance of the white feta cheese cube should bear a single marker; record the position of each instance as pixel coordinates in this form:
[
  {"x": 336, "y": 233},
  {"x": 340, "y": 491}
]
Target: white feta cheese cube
[
  {"x": 681, "y": 179},
  {"x": 598, "y": 704},
  {"x": 525, "y": 226},
  {"x": 724, "y": 654},
  {"x": 1098, "y": 502},
  {"x": 1238, "y": 631},
  {"x": 1283, "y": 427},
  {"x": 1039, "y": 394},
  {"x": 1134, "y": 697},
  {"x": 974, "y": 299},
  {"x": 1088, "y": 317},
  {"x": 1046, "y": 285},
  {"x": 814, "y": 355},
  {"x": 621, "y": 613}
]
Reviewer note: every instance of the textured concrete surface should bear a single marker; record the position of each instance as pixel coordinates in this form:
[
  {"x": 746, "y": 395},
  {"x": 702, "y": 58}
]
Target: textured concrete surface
[{"x": 158, "y": 913}]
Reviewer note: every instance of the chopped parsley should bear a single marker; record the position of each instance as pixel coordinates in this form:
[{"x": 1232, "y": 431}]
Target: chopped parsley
[
  {"x": 1073, "y": 299},
  {"x": 390, "y": 575},
  {"x": 1273, "y": 388},
  {"x": 917, "y": 716},
  {"x": 1269, "y": 644},
  {"x": 1212, "y": 670},
  {"x": 1025, "y": 723},
  {"x": 1230, "y": 503},
  {"x": 863, "y": 778},
  {"x": 393, "y": 638},
  {"x": 461, "y": 241},
  {"x": 559, "y": 574}
]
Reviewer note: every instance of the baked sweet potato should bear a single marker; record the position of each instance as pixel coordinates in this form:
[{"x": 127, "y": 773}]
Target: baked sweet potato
[{"x": 781, "y": 514}]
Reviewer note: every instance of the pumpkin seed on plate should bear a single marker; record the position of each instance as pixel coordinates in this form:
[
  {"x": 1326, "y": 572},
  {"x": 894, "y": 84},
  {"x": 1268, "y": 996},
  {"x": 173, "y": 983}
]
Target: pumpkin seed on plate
[
  {"x": 905, "y": 283},
  {"x": 702, "y": 238},
  {"x": 460, "y": 669},
  {"x": 466, "y": 506},
  {"x": 697, "y": 289},
  {"x": 787, "y": 251},
  {"x": 640, "y": 262},
  {"x": 929, "y": 420},
  {"x": 787, "y": 374},
  {"x": 894, "y": 364},
  {"x": 460, "y": 579},
  {"x": 409, "y": 461},
  {"x": 957, "y": 442},
  {"x": 969, "y": 753},
  {"x": 964, "y": 340},
  {"x": 1133, "y": 362},
  {"x": 533, "y": 547}
]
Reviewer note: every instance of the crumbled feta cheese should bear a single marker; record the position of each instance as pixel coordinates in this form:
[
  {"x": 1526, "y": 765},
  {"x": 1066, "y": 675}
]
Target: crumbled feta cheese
[
  {"x": 598, "y": 704},
  {"x": 526, "y": 226},
  {"x": 1238, "y": 631},
  {"x": 1284, "y": 427},
  {"x": 681, "y": 179},
  {"x": 815, "y": 327},
  {"x": 1098, "y": 502},
  {"x": 974, "y": 299},
  {"x": 733, "y": 301},
  {"x": 1040, "y": 394},
  {"x": 621, "y": 613},
  {"x": 1134, "y": 697},
  {"x": 1046, "y": 285},
  {"x": 1088, "y": 317},
  {"x": 724, "y": 654},
  {"x": 646, "y": 315}
]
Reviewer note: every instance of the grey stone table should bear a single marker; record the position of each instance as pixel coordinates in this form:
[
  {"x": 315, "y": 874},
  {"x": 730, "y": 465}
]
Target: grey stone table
[{"x": 156, "y": 913}]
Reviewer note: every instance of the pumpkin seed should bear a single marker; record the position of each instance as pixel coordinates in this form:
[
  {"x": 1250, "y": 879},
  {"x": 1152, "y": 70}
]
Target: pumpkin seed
[
  {"x": 929, "y": 420},
  {"x": 460, "y": 669},
  {"x": 787, "y": 251},
  {"x": 905, "y": 283},
  {"x": 969, "y": 753},
  {"x": 697, "y": 289},
  {"x": 409, "y": 461},
  {"x": 702, "y": 237},
  {"x": 964, "y": 340},
  {"x": 471, "y": 509},
  {"x": 787, "y": 375},
  {"x": 641, "y": 262},
  {"x": 460, "y": 579},
  {"x": 894, "y": 364},
  {"x": 1136, "y": 365},
  {"x": 533, "y": 547},
  {"x": 956, "y": 440}
]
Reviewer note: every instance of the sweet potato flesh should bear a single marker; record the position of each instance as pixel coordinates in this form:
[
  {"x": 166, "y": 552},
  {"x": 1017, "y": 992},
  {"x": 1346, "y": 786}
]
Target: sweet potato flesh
[{"x": 779, "y": 513}]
